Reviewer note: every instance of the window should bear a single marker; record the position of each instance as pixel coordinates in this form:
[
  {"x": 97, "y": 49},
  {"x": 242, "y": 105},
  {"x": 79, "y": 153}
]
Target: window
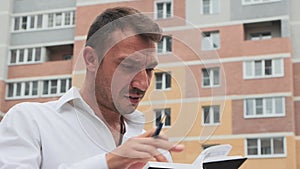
[
  {"x": 61, "y": 19},
  {"x": 251, "y": 2},
  {"x": 32, "y": 22},
  {"x": 210, "y": 77},
  {"x": 264, "y": 107},
  {"x": 211, "y": 115},
  {"x": 22, "y": 89},
  {"x": 56, "y": 86},
  {"x": 210, "y": 40},
  {"x": 266, "y": 146},
  {"x": 210, "y": 6},
  {"x": 162, "y": 80},
  {"x": 163, "y": 10},
  {"x": 263, "y": 68},
  {"x": 165, "y": 45},
  {"x": 160, "y": 113},
  {"x": 27, "y": 55},
  {"x": 33, "y": 89},
  {"x": 260, "y": 36}
]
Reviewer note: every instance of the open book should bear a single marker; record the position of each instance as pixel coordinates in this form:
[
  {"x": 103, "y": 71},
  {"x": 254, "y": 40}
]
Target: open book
[{"x": 214, "y": 157}]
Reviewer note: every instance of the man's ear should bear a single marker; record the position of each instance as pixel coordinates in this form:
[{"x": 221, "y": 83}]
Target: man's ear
[{"x": 91, "y": 59}]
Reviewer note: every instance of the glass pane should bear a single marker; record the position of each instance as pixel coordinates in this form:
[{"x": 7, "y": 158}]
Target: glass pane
[
  {"x": 168, "y": 80},
  {"x": 269, "y": 105},
  {"x": 169, "y": 44},
  {"x": 216, "y": 6},
  {"x": 53, "y": 89},
  {"x": 160, "y": 11},
  {"x": 158, "y": 80},
  {"x": 19, "y": 86},
  {"x": 67, "y": 18},
  {"x": 160, "y": 47},
  {"x": 216, "y": 114},
  {"x": 21, "y": 55},
  {"x": 252, "y": 147},
  {"x": 13, "y": 56},
  {"x": 205, "y": 77},
  {"x": 24, "y": 22},
  {"x": 249, "y": 107},
  {"x": 29, "y": 54},
  {"x": 206, "y": 7},
  {"x": 50, "y": 20},
  {"x": 265, "y": 146},
  {"x": 259, "y": 106},
  {"x": 206, "y": 115},
  {"x": 216, "y": 76},
  {"x": 168, "y": 117},
  {"x": 169, "y": 10},
  {"x": 39, "y": 21},
  {"x": 248, "y": 69},
  {"x": 278, "y": 145},
  {"x": 45, "y": 87},
  {"x": 58, "y": 19},
  {"x": 17, "y": 23},
  {"x": 268, "y": 67},
  {"x": 258, "y": 68},
  {"x": 278, "y": 66},
  {"x": 27, "y": 88},
  {"x": 157, "y": 117},
  {"x": 63, "y": 86},
  {"x": 10, "y": 90},
  {"x": 34, "y": 88},
  {"x": 279, "y": 105},
  {"x": 215, "y": 40},
  {"x": 37, "y": 54},
  {"x": 32, "y": 20}
]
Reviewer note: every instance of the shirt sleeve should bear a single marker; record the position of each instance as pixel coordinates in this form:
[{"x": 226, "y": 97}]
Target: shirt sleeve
[
  {"x": 19, "y": 141},
  {"x": 96, "y": 162},
  {"x": 20, "y": 145}
]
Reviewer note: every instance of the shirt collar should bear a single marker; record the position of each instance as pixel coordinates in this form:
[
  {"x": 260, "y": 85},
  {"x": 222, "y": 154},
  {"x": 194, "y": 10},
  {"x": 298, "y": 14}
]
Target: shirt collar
[{"x": 73, "y": 94}]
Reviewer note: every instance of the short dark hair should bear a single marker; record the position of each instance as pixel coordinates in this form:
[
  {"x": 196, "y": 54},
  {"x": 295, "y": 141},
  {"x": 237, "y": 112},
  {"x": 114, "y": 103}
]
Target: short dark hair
[{"x": 121, "y": 18}]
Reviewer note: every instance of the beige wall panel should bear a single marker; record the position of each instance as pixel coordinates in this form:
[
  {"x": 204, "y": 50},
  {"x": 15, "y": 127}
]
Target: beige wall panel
[{"x": 43, "y": 69}]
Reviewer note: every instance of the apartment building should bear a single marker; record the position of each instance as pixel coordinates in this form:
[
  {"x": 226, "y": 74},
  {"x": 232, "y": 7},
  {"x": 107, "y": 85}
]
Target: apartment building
[
  {"x": 228, "y": 72},
  {"x": 36, "y": 50}
]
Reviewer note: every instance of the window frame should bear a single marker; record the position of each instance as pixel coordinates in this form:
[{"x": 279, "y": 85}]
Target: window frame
[
  {"x": 164, "y": 41},
  {"x": 163, "y": 81},
  {"x": 265, "y": 114},
  {"x": 253, "y": 2},
  {"x": 211, "y": 77},
  {"x": 17, "y": 27},
  {"x": 26, "y": 55},
  {"x": 210, "y": 39},
  {"x": 165, "y": 14},
  {"x": 212, "y": 5},
  {"x": 277, "y": 66},
  {"x": 21, "y": 86},
  {"x": 211, "y": 115},
  {"x": 258, "y": 147},
  {"x": 162, "y": 112}
]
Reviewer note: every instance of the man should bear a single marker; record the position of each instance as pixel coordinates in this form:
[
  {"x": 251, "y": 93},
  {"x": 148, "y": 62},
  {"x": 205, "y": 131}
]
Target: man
[{"x": 98, "y": 126}]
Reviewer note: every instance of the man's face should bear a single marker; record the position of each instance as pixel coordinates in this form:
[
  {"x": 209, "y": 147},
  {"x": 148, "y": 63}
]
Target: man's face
[{"x": 124, "y": 75}]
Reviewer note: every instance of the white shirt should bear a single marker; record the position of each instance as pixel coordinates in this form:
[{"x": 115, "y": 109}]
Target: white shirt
[{"x": 62, "y": 134}]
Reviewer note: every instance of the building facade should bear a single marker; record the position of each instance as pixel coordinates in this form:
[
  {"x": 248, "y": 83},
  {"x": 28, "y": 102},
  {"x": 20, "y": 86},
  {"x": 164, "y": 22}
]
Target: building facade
[{"x": 228, "y": 72}]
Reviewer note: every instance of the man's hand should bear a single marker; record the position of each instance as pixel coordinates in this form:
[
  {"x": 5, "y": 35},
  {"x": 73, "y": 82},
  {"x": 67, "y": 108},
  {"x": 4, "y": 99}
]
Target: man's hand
[{"x": 137, "y": 151}]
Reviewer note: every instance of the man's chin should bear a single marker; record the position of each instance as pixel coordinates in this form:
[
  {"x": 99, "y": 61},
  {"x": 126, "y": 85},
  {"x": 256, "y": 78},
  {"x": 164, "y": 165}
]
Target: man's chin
[{"x": 127, "y": 109}]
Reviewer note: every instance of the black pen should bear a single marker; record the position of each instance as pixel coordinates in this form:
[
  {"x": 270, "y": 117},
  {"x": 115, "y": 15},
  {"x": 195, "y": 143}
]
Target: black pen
[{"x": 159, "y": 127}]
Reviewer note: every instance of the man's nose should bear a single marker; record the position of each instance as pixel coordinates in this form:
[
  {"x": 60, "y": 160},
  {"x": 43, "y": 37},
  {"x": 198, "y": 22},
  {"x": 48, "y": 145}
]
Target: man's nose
[{"x": 141, "y": 80}]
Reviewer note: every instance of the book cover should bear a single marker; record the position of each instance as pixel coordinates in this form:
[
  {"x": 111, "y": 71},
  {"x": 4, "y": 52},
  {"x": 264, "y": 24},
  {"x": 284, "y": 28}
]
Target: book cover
[{"x": 214, "y": 157}]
